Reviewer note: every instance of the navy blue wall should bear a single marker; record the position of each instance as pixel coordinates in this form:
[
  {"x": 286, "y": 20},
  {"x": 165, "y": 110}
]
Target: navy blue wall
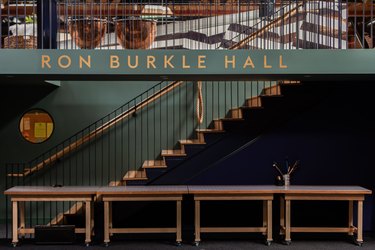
[{"x": 334, "y": 140}]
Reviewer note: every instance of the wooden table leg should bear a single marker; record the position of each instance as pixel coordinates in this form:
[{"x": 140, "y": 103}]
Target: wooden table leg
[
  {"x": 265, "y": 216},
  {"x": 106, "y": 222},
  {"x": 92, "y": 219},
  {"x": 178, "y": 223},
  {"x": 269, "y": 221},
  {"x": 15, "y": 222},
  {"x": 360, "y": 223},
  {"x": 282, "y": 216},
  {"x": 88, "y": 223},
  {"x": 197, "y": 223},
  {"x": 110, "y": 218},
  {"x": 22, "y": 216},
  {"x": 350, "y": 217},
  {"x": 287, "y": 221}
]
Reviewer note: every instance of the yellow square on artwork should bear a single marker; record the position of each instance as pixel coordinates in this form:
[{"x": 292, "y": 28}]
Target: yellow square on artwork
[
  {"x": 49, "y": 129},
  {"x": 40, "y": 130}
]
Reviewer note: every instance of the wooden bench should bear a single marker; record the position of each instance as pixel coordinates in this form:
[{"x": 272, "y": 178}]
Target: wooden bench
[
  {"x": 141, "y": 193},
  {"x": 20, "y": 195}
]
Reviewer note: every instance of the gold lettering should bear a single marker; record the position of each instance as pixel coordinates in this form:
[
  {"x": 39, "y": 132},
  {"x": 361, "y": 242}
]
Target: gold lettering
[
  {"x": 83, "y": 61},
  {"x": 201, "y": 62},
  {"x": 151, "y": 62},
  {"x": 282, "y": 66},
  {"x": 184, "y": 65},
  {"x": 136, "y": 62},
  {"x": 167, "y": 61},
  {"x": 68, "y": 62},
  {"x": 233, "y": 62},
  {"x": 266, "y": 66},
  {"x": 249, "y": 63},
  {"x": 45, "y": 61},
  {"x": 114, "y": 62}
]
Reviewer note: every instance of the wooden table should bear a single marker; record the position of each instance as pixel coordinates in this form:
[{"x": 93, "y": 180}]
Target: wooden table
[
  {"x": 323, "y": 193},
  {"x": 141, "y": 193},
  {"x": 20, "y": 195},
  {"x": 229, "y": 193}
]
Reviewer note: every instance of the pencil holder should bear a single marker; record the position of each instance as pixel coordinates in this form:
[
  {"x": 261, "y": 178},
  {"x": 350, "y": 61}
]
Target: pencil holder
[{"x": 286, "y": 178}]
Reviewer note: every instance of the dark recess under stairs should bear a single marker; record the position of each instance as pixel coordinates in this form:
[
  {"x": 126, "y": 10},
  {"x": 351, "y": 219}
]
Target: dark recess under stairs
[{"x": 276, "y": 105}]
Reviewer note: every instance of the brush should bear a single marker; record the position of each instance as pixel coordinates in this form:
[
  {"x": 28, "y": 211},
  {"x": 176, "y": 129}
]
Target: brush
[{"x": 277, "y": 168}]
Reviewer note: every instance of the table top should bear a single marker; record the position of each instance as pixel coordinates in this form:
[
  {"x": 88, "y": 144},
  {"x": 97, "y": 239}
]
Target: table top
[
  {"x": 184, "y": 189},
  {"x": 231, "y": 189},
  {"x": 296, "y": 189},
  {"x": 138, "y": 190},
  {"x": 262, "y": 189},
  {"x": 49, "y": 190}
]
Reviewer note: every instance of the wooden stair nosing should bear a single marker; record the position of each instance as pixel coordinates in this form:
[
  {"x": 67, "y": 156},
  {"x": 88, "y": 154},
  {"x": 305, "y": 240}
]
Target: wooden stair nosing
[
  {"x": 172, "y": 152},
  {"x": 255, "y": 101},
  {"x": 228, "y": 119},
  {"x": 271, "y": 90},
  {"x": 154, "y": 164},
  {"x": 191, "y": 142},
  {"x": 132, "y": 175},
  {"x": 208, "y": 131},
  {"x": 235, "y": 113}
]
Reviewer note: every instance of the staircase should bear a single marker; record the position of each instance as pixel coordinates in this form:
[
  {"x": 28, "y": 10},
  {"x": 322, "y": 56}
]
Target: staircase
[{"x": 187, "y": 149}]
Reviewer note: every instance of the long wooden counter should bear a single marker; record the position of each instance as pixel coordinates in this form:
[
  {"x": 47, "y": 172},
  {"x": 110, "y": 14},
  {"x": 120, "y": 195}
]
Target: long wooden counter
[
  {"x": 141, "y": 193},
  {"x": 230, "y": 193},
  {"x": 323, "y": 193},
  {"x": 21, "y": 194}
]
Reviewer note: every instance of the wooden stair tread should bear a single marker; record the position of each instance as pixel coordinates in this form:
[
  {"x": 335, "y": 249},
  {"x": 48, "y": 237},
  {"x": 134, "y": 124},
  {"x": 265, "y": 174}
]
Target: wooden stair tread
[
  {"x": 272, "y": 90},
  {"x": 254, "y": 101},
  {"x": 208, "y": 130},
  {"x": 191, "y": 142},
  {"x": 135, "y": 175},
  {"x": 173, "y": 152},
  {"x": 232, "y": 119},
  {"x": 154, "y": 164}
]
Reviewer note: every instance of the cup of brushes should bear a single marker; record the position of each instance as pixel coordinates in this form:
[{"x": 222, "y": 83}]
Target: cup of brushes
[{"x": 283, "y": 179}]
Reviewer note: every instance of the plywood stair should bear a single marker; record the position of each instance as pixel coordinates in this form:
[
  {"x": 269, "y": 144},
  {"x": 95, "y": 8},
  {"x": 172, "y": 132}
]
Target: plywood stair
[{"x": 170, "y": 157}]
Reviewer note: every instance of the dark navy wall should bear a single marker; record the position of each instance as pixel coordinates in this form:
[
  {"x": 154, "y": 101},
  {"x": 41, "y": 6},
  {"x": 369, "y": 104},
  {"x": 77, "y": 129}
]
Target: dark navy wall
[{"x": 334, "y": 140}]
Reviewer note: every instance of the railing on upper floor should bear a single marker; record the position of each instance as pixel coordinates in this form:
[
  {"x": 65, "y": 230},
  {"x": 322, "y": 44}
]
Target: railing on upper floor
[{"x": 181, "y": 24}]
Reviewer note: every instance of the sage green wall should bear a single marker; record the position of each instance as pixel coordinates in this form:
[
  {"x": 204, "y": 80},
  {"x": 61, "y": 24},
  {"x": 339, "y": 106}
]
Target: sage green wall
[{"x": 73, "y": 106}]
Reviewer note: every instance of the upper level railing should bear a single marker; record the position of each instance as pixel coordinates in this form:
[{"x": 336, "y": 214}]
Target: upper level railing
[{"x": 182, "y": 24}]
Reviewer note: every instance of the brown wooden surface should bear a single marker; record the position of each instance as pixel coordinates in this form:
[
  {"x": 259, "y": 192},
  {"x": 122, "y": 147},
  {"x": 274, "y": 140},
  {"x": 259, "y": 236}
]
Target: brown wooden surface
[
  {"x": 191, "y": 189},
  {"x": 143, "y": 190},
  {"x": 46, "y": 190},
  {"x": 233, "y": 189},
  {"x": 296, "y": 189}
]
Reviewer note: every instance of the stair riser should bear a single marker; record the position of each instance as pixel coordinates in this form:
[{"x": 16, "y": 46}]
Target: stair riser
[
  {"x": 135, "y": 183},
  {"x": 173, "y": 161},
  {"x": 193, "y": 149},
  {"x": 210, "y": 138},
  {"x": 153, "y": 173}
]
